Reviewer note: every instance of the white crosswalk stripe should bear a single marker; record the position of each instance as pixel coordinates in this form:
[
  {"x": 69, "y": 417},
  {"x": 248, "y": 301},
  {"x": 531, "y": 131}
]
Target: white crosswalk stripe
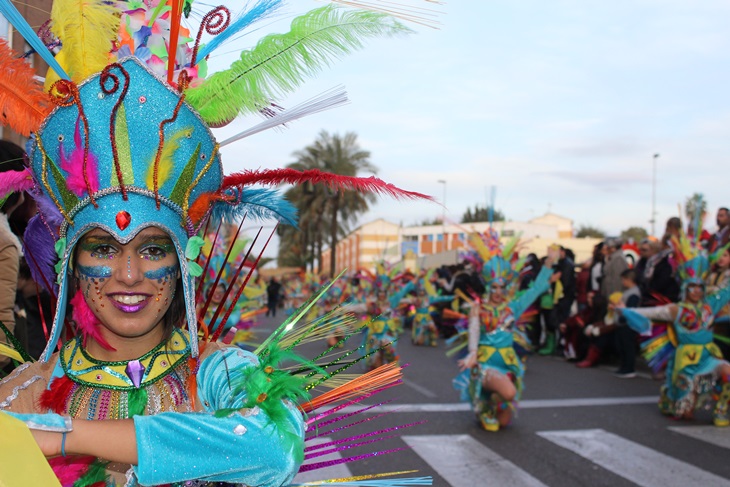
[
  {"x": 710, "y": 434},
  {"x": 463, "y": 461},
  {"x": 632, "y": 461}
]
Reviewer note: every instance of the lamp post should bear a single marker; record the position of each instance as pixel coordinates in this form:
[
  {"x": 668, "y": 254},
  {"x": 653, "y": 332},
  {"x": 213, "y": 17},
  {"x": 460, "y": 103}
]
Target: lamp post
[
  {"x": 443, "y": 214},
  {"x": 653, "y": 195}
]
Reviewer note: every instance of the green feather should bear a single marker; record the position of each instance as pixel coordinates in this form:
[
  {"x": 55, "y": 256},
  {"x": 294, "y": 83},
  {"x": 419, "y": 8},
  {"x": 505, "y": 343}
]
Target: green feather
[
  {"x": 279, "y": 62},
  {"x": 137, "y": 401}
]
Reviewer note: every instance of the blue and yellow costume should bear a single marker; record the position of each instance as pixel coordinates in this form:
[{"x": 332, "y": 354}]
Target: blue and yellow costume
[
  {"x": 492, "y": 328},
  {"x": 682, "y": 340}
]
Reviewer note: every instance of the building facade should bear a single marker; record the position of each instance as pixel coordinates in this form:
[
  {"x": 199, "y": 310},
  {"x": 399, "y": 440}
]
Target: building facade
[{"x": 434, "y": 245}]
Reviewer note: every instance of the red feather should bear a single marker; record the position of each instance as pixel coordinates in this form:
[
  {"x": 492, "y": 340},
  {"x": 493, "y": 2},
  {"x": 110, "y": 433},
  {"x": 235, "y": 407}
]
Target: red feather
[
  {"x": 56, "y": 397},
  {"x": 336, "y": 181}
]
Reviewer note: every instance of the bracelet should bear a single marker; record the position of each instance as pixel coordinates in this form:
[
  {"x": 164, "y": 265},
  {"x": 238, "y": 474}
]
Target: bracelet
[{"x": 63, "y": 444}]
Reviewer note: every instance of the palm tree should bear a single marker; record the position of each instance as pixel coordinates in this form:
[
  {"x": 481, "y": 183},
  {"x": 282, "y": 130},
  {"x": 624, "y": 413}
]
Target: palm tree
[{"x": 325, "y": 212}]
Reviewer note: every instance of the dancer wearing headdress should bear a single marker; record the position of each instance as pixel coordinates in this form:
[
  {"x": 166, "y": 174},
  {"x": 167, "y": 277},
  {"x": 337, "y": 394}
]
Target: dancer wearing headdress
[
  {"x": 424, "y": 331},
  {"x": 680, "y": 337},
  {"x": 127, "y": 175},
  {"x": 491, "y": 377}
]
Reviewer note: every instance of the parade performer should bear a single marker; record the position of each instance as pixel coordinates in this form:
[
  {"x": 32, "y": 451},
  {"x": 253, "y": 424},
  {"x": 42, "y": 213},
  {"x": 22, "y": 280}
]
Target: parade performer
[
  {"x": 383, "y": 326},
  {"x": 127, "y": 174},
  {"x": 681, "y": 338},
  {"x": 491, "y": 377},
  {"x": 424, "y": 330}
]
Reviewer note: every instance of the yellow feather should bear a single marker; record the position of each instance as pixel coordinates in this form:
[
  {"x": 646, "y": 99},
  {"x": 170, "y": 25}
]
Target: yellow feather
[
  {"x": 164, "y": 169},
  {"x": 87, "y": 29},
  {"x": 9, "y": 352}
]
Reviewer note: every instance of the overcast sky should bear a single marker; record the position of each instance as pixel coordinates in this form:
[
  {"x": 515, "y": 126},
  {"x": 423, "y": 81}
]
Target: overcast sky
[{"x": 560, "y": 105}]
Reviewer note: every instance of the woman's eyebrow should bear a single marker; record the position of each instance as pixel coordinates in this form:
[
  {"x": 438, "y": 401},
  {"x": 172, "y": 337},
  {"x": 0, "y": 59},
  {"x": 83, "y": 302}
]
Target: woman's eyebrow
[
  {"x": 99, "y": 239},
  {"x": 163, "y": 239}
]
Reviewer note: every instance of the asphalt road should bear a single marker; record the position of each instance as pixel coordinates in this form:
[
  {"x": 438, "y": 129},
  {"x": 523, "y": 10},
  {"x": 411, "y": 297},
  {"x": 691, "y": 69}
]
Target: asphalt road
[{"x": 575, "y": 427}]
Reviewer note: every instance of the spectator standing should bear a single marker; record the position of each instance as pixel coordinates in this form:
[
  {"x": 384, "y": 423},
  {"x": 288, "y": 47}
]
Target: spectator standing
[
  {"x": 11, "y": 159},
  {"x": 597, "y": 262},
  {"x": 273, "y": 293},
  {"x": 722, "y": 236},
  {"x": 659, "y": 283},
  {"x": 614, "y": 266}
]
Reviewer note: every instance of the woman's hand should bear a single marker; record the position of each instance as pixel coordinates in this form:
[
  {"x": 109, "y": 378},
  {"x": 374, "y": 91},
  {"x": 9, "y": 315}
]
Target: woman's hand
[{"x": 470, "y": 361}]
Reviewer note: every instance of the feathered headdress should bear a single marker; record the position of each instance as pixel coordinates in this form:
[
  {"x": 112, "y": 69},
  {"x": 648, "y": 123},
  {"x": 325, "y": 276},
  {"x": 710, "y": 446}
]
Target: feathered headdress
[
  {"x": 498, "y": 263},
  {"x": 120, "y": 131},
  {"x": 690, "y": 258}
]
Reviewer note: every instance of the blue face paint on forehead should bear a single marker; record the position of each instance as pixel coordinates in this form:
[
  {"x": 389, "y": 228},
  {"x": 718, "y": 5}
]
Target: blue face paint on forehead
[
  {"x": 162, "y": 272},
  {"x": 95, "y": 271}
]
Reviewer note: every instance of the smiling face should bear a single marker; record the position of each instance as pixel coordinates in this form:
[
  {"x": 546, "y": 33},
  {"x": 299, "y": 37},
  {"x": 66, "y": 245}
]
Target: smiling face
[
  {"x": 129, "y": 287},
  {"x": 695, "y": 292}
]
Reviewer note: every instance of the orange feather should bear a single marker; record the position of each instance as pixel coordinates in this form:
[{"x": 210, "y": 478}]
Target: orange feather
[
  {"x": 20, "y": 94},
  {"x": 386, "y": 375}
]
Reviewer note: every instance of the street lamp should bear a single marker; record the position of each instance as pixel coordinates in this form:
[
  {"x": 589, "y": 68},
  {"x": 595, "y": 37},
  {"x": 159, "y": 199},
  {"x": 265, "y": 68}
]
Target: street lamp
[
  {"x": 443, "y": 213},
  {"x": 653, "y": 195}
]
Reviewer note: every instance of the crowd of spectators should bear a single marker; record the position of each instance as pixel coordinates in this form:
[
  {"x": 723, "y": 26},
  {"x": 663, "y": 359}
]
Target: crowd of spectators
[{"x": 589, "y": 332}]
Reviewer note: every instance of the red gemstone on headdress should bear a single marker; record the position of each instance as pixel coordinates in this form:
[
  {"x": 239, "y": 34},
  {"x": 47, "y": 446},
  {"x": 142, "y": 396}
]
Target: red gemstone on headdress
[{"x": 123, "y": 219}]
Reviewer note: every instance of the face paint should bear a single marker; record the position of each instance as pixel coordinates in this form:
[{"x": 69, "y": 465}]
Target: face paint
[
  {"x": 95, "y": 271},
  {"x": 161, "y": 274}
]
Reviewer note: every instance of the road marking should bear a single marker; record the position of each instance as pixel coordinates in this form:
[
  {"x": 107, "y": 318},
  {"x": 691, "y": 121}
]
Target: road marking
[
  {"x": 632, "y": 461},
  {"x": 421, "y": 389},
  {"x": 710, "y": 434},
  {"x": 333, "y": 472},
  {"x": 463, "y": 461},
  {"x": 455, "y": 407}
]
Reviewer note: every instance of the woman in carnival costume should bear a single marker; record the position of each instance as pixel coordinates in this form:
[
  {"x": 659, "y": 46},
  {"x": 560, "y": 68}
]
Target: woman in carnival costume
[
  {"x": 491, "y": 377},
  {"x": 383, "y": 327},
  {"x": 126, "y": 173},
  {"x": 681, "y": 338},
  {"x": 424, "y": 331}
]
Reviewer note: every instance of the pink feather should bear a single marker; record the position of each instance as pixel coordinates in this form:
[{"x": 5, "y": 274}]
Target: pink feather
[
  {"x": 14, "y": 181},
  {"x": 74, "y": 166},
  {"x": 87, "y": 321},
  {"x": 70, "y": 469}
]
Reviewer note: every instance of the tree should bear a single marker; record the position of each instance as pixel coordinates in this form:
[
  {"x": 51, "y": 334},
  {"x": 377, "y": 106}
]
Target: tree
[
  {"x": 481, "y": 214},
  {"x": 695, "y": 207},
  {"x": 588, "y": 231},
  {"x": 431, "y": 221},
  {"x": 637, "y": 234},
  {"x": 325, "y": 214}
]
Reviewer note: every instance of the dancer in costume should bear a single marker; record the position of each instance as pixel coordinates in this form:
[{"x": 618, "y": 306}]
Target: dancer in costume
[
  {"x": 383, "y": 327},
  {"x": 424, "y": 330},
  {"x": 126, "y": 174},
  {"x": 491, "y": 375},
  {"x": 681, "y": 338}
]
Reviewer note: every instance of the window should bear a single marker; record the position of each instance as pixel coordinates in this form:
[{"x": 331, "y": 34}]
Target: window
[{"x": 440, "y": 237}]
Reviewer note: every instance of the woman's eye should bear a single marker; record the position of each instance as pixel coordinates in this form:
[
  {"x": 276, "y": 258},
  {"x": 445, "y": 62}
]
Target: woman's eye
[
  {"x": 153, "y": 252},
  {"x": 103, "y": 251}
]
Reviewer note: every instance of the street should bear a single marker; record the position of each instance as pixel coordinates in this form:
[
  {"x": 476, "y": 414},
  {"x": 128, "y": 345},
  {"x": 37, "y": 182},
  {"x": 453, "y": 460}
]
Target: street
[{"x": 575, "y": 427}]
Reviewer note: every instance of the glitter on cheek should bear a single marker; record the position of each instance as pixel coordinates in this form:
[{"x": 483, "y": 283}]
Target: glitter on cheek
[
  {"x": 94, "y": 272},
  {"x": 161, "y": 273}
]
